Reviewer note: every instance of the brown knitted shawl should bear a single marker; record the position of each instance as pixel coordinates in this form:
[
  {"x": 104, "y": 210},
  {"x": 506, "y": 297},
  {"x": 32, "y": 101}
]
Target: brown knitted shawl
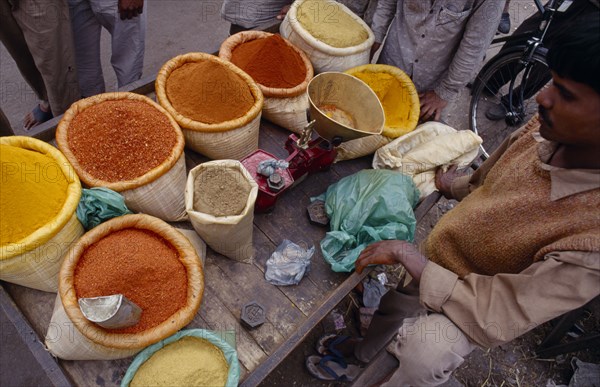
[{"x": 510, "y": 222}]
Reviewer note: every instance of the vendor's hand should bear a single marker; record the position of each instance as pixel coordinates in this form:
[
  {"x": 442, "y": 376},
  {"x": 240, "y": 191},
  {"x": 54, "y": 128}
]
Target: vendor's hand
[
  {"x": 374, "y": 49},
  {"x": 444, "y": 180},
  {"x": 129, "y": 9},
  {"x": 431, "y": 105},
  {"x": 283, "y": 12},
  {"x": 391, "y": 252}
]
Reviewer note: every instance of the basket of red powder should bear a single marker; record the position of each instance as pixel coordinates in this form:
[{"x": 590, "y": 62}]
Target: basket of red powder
[
  {"x": 128, "y": 143},
  {"x": 217, "y": 105},
  {"x": 281, "y": 70},
  {"x": 141, "y": 257}
]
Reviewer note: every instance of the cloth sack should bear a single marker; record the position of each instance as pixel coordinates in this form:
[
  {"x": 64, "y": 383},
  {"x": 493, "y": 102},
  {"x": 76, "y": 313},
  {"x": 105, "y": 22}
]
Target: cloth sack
[{"x": 419, "y": 153}]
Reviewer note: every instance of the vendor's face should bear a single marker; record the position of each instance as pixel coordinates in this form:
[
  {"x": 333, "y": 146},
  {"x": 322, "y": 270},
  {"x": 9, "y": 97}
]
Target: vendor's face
[{"x": 570, "y": 113}]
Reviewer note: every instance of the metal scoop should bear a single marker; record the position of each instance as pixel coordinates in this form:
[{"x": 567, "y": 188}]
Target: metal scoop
[{"x": 110, "y": 312}]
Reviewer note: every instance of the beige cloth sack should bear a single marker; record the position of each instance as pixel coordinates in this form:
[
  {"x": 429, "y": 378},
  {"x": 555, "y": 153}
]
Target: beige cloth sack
[
  {"x": 232, "y": 139},
  {"x": 71, "y": 336},
  {"x": 159, "y": 192},
  {"x": 227, "y": 235},
  {"x": 35, "y": 261},
  {"x": 323, "y": 56},
  {"x": 283, "y": 107},
  {"x": 420, "y": 152}
]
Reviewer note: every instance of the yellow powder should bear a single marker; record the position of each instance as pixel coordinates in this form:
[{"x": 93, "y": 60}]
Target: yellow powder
[
  {"x": 327, "y": 22},
  {"x": 33, "y": 190},
  {"x": 190, "y": 361},
  {"x": 394, "y": 98}
]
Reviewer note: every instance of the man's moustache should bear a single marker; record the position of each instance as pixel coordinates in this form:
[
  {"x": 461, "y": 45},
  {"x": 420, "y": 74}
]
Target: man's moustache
[{"x": 544, "y": 114}]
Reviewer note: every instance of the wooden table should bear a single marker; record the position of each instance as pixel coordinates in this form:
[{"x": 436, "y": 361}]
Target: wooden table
[{"x": 291, "y": 312}]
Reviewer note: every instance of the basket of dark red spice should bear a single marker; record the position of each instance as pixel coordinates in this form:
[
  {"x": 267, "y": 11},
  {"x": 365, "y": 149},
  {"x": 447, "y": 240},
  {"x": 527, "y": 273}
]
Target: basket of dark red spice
[
  {"x": 217, "y": 105},
  {"x": 141, "y": 257},
  {"x": 281, "y": 70},
  {"x": 128, "y": 143}
]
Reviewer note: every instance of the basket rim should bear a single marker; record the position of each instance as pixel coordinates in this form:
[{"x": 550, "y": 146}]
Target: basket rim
[
  {"x": 187, "y": 256},
  {"x": 296, "y": 26},
  {"x": 226, "y": 51},
  {"x": 73, "y": 194},
  {"x": 62, "y": 139},
  {"x": 189, "y": 124},
  {"x": 405, "y": 82}
]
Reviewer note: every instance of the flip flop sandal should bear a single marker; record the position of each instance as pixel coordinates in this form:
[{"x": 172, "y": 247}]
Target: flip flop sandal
[
  {"x": 327, "y": 344},
  {"x": 331, "y": 368},
  {"x": 40, "y": 116}
]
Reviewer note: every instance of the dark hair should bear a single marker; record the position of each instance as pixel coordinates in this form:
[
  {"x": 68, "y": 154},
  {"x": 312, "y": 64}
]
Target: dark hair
[{"x": 575, "y": 53}]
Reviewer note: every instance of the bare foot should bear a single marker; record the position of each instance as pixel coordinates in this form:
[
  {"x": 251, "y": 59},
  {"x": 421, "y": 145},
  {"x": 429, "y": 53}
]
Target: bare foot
[{"x": 40, "y": 113}]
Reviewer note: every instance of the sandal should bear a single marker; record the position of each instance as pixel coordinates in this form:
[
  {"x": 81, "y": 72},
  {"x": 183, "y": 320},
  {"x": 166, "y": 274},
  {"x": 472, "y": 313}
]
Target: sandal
[
  {"x": 327, "y": 345},
  {"x": 36, "y": 117},
  {"x": 331, "y": 368}
]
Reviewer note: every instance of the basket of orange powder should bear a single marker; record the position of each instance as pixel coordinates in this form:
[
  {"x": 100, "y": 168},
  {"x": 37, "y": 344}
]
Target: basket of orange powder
[
  {"x": 281, "y": 70},
  {"x": 217, "y": 105}
]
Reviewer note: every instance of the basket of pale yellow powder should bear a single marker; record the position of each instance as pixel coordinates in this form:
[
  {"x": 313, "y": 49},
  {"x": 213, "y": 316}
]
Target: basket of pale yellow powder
[
  {"x": 39, "y": 194},
  {"x": 401, "y": 107},
  {"x": 331, "y": 35},
  {"x": 194, "y": 357}
]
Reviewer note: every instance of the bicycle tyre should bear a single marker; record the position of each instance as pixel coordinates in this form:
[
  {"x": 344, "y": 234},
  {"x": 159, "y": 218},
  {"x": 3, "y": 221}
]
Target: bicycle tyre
[{"x": 493, "y": 82}]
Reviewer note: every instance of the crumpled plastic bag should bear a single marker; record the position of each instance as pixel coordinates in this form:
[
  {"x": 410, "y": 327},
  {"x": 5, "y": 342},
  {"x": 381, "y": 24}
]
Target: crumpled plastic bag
[
  {"x": 420, "y": 152},
  {"x": 98, "y": 205},
  {"x": 288, "y": 264},
  {"x": 373, "y": 290},
  {"x": 367, "y": 207},
  {"x": 269, "y": 166}
]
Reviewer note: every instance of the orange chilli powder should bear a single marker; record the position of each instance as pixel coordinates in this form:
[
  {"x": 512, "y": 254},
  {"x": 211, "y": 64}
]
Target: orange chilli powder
[
  {"x": 121, "y": 140},
  {"x": 142, "y": 266},
  {"x": 208, "y": 92}
]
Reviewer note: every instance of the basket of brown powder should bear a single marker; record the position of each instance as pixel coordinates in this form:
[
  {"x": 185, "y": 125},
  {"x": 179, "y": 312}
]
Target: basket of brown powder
[
  {"x": 281, "y": 70},
  {"x": 145, "y": 259},
  {"x": 333, "y": 37},
  {"x": 217, "y": 104},
  {"x": 130, "y": 144},
  {"x": 192, "y": 357},
  {"x": 219, "y": 199}
]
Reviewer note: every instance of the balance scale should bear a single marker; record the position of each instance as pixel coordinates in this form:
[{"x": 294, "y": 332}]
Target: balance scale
[{"x": 341, "y": 108}]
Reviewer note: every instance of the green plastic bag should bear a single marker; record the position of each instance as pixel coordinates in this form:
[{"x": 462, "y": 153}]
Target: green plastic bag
[
  {"x": 98, "y": 205},
  {"x": 367, "y": 207},
  {"x": 219, "y": 339}
]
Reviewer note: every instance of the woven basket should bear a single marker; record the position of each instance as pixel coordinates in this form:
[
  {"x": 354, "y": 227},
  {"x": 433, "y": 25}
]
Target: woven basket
[
  {"x": 89, "y": 341},
  {"x": 323, "y": 56},
  {"x": 159, "y": 192},
  {"x": 35, "y": 260},
  {"x": 232, "y": 139}
]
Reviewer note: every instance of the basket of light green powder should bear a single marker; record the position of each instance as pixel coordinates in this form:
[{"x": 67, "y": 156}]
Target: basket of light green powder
[
  {"x": 331, "y": 35},
  {"x": 193, "y": 357}
]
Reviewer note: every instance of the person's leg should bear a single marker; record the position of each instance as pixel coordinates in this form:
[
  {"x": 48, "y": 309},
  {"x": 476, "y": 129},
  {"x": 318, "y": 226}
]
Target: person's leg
[
  {"x": 429, "y": 348},
  {"x": 47, "y": 31},
  {"x": 504, "y": 26},
  {"x": 127, "y": 42},
  {"x": 394, "y": 307},
  {"x": 86, "y": 31}
]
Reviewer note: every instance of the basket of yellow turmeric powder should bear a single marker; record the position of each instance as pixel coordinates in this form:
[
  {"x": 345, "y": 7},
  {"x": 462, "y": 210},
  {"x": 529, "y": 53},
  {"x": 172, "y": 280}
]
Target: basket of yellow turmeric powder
[
  {"x": 400, "y": 102},
  {"x": 38, "y": 198},
  {"x": 217, "y": 105},
  {"x": 281, "y": 70},
  {"x": 331, "y": 35},
  {"x": 145, "y": 259},
  {"x": 128, "y": 143}
]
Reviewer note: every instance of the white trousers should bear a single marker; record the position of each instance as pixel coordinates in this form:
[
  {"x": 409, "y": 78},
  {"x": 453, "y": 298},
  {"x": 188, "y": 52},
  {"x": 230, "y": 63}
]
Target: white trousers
[{"x": 127, "y": 43}]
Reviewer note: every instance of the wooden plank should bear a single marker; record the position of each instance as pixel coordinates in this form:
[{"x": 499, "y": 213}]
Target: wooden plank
[
  {"x": 32, "y": 340},
  {"x": 379, "y": 367},
  {"x": 303, "y": 330}
]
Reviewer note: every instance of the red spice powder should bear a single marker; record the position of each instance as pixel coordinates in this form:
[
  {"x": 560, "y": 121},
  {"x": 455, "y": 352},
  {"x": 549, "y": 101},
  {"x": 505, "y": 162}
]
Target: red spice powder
[
  {"x": 208, "y": 92},
  {"x": 270, "y": 62},
  {"x": 121, "y": 140},
  {"x": 139, "y": 264}
]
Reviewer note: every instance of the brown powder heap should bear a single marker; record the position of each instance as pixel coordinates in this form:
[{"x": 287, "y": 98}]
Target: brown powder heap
[
  {"x": 121, "y": 140},
  {"x": 208, "y": 92},
  {"x": 221, "y": 192},
  {"x": 270, "y": 62},
  {"x": 140, "y": 265}
]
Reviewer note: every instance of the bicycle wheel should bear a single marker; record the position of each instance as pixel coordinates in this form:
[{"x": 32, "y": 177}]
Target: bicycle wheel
[{"x": 503, "y": 95}]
